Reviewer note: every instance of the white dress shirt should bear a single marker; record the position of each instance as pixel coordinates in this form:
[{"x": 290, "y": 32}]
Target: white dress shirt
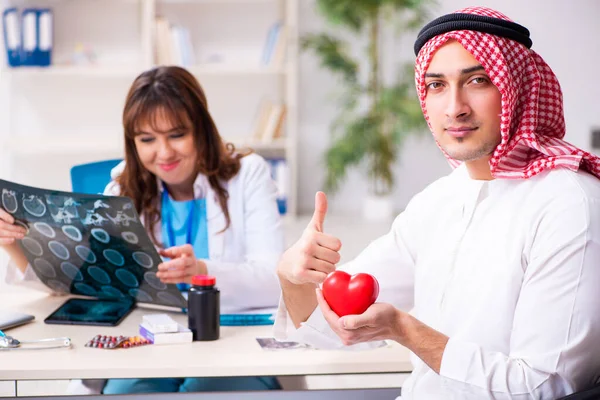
[{"x": 509, "y": 270}]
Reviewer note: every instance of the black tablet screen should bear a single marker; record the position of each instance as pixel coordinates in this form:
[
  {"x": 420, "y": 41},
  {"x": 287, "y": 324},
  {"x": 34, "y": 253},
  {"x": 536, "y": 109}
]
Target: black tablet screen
[{"x": 91, "y": 312}]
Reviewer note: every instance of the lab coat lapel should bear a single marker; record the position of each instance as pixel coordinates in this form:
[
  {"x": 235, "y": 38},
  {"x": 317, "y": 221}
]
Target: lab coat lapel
[{"x": 215, "y": 219}]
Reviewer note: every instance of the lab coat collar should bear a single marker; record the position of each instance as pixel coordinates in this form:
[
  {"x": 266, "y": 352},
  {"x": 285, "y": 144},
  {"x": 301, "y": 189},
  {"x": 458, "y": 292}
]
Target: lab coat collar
[
  {"x": 215, "y": 217},
  {"x": 202, "y": 189}
]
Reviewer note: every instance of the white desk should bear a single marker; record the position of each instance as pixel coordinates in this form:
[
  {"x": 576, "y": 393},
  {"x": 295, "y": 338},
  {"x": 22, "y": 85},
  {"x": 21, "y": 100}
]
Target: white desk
[{"x": 236, "y": 353}]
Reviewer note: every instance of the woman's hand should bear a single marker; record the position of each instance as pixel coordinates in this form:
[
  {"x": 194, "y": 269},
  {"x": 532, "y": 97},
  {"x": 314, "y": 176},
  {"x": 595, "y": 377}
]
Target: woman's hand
[
  {"x": 9, "y": 231},
  {"x": 182, "y": 266}
]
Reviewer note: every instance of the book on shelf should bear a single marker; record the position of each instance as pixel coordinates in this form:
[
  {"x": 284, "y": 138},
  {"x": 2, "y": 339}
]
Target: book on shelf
[
  {"x": 173, "y": 44},
  {"x": 260, "y": 120},
  {"x": 274, "y": 49},
  {"x": 274, "y": 125},
  {"x": 280, "y": 48},
  {"x": 269, "y": 121}
]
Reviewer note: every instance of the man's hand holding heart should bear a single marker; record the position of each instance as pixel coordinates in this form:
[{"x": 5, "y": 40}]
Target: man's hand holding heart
[
  {"x": 381, "y": 321},
  {"x": 312, "y": 261},
  {"x": 347, "y": 305}
]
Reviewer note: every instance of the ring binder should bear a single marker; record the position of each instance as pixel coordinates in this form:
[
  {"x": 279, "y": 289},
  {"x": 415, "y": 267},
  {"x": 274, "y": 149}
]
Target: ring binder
[
  {"x": 29, "y": 36},
  {"x": 45, "y": 39},
  {"x": 12, "y": 38}
]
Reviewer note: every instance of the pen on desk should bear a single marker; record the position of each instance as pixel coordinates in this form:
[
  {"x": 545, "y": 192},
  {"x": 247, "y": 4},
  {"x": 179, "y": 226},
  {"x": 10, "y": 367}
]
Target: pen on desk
[{"x": 246, "y": 319}]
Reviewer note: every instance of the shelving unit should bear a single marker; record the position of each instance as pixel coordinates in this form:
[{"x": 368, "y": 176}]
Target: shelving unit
[
  {"x": 55, "y": 117},
  {"x": 36, "y": 145},
  {"x": 199, "y": 70}
]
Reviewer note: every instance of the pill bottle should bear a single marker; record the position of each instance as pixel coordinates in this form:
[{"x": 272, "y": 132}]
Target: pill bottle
[{"x": 204, "y": 308}]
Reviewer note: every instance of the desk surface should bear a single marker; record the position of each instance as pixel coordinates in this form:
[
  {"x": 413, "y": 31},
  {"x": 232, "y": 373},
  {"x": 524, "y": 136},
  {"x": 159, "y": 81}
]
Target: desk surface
[{"x": 236, "y": 353}]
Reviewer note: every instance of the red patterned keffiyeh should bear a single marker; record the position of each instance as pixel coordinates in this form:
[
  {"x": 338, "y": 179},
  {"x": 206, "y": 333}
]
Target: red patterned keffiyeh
[{"x": 532, "y": 124}]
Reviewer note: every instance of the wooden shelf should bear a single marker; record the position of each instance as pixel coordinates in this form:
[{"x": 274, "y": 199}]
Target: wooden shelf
[
  {"x": 215, "y": 1},
  {"x": 52, "y": 145},
  {"x": 40, "y": 145},
  {"x": 225, "y": 69},
  {"x": 276, "y": 145},
  {"x": 105, "y": 71},
  {"x": 68, "y": 70}
]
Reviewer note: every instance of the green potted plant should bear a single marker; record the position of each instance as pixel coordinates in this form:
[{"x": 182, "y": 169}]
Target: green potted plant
[{"x": 375, "y": 116}]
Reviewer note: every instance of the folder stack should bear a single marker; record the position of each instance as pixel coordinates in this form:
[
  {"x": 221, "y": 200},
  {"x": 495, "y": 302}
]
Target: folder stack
[{"x": 28, "y": 36}]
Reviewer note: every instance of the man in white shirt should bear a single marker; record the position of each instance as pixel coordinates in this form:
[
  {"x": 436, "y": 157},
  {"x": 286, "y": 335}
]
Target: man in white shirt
[{"x": 498, "y": 262}]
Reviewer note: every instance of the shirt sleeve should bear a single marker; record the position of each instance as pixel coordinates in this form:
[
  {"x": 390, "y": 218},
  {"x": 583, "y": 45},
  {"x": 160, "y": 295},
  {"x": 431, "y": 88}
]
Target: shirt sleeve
[
  {"x": 390, "y": 259},
  {"x": 256, "y": 276},
  {"x": 555, "y": 340},
  {"x": 112, "y": 189}
]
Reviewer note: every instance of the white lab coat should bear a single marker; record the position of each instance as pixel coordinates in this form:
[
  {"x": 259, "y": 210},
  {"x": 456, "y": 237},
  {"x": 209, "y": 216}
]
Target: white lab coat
[{"x": 244, "y": 257}]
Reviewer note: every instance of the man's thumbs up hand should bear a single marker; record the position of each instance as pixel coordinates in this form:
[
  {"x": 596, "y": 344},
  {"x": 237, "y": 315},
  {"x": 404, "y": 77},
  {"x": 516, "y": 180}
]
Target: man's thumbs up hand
[
  {"x": 315, "y": 254},
  {"x": 318, "y": 218}
]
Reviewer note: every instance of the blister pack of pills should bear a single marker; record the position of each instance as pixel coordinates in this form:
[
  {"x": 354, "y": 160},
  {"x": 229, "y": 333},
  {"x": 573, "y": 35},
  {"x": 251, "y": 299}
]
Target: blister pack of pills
[{"x": 116, "y": 342}]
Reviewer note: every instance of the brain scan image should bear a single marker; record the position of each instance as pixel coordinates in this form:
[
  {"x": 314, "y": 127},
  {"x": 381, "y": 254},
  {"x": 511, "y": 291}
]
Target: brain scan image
[
  {"x": 72, "y": 232},
  {"x": 88, "y": 245},
  {"x": 9, "y": 201},
  {"x": 34, "y": 205}
]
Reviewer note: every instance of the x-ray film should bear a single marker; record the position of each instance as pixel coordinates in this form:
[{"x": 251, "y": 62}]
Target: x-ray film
[{"x": 88, "y": 245}]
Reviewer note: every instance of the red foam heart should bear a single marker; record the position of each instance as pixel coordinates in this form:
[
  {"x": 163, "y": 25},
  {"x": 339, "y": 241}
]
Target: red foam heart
[{"x": 347, "y": 294}]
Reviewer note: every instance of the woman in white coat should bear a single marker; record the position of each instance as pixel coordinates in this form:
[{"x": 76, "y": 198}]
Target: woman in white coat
[{"x": 208, "y": 208}]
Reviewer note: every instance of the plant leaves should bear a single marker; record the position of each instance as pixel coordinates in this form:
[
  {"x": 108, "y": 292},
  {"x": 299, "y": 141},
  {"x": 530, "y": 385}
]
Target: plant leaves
[
  {"x": 333, "y": 55},
  {"x": 370, "y": 137},
  {"x": 347, "y": 149}
]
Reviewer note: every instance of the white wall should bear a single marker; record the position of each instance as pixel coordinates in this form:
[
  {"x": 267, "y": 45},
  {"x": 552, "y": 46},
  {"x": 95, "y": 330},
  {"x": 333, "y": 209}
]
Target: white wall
[
  {"x": 564, "y": 35},
  {"x": 89, "y": 106},
  {"x": 566, "y": 38}
]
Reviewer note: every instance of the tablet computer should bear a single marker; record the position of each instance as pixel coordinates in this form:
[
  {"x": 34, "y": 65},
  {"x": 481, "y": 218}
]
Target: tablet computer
[
  {"x": 10, "y": 319},
  {"x": 91, "y": 312}
]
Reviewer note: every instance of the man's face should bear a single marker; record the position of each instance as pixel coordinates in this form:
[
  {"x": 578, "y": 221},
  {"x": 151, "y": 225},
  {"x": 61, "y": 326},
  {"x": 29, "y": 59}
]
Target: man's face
[{"x": 462, "y": 103}]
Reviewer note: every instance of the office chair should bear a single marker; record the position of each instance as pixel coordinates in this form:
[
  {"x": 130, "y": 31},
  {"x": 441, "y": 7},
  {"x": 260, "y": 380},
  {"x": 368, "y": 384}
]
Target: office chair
[{"x": 92, "y": 178}]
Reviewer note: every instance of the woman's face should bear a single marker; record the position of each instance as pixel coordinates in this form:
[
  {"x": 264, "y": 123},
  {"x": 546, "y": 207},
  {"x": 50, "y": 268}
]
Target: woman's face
[{"x": 168, "y": 151}]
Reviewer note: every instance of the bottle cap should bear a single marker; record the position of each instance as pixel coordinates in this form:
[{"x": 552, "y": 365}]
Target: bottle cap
[{"x": 203, "y": 280}]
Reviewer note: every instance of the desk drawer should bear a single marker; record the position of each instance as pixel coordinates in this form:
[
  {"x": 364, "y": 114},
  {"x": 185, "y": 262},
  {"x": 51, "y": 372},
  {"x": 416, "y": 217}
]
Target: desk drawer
[
  {"x": 42, "y": 388},
  {"x": 7, "y": 389}
]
